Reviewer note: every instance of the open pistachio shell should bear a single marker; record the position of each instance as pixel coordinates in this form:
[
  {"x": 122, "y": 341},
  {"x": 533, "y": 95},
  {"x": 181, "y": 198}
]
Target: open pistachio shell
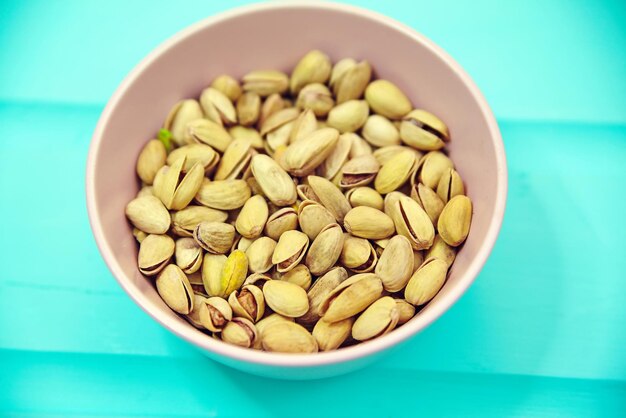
[
  {"x": 175, "y": 289},
  {"x": 155, "y": 252}
]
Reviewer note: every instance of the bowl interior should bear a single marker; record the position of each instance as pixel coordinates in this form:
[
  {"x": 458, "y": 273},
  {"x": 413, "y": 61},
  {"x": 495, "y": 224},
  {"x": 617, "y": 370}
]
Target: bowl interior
[{"x": 276, "y": 37}]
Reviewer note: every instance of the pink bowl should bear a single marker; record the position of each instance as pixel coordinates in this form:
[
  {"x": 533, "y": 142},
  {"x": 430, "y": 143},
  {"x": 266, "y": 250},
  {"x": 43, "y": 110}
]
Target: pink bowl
[{"x": 276, "y": 35}]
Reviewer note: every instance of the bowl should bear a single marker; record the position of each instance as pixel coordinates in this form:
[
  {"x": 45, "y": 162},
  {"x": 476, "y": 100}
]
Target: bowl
[{"x": 276, "y": 35}]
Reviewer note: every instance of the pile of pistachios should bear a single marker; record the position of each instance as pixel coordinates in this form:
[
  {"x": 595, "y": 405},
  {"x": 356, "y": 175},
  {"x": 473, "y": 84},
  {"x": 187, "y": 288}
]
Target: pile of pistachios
[{"x": 299, "y": 213}]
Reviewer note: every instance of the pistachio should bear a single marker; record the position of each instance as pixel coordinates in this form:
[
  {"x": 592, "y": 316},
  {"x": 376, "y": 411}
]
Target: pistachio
[
  {"x": 369, "y": 223},
  {"x": 188, "y": 255},
  {"x": 418, "y": 259},
  {"x": 325, "y": 249},
  {"x": 302, "y": 157},
  {"x": 380, "y": 132},
  {"x": 351, "y": 297},
  {"x": 212, "y": 266},
  {"x": 441, "y": 250},
  {"x": 175, "y": 289},
  {"x": 351, "y": 82},
  {"x": 235, "y": 160},
  {"x": 359, "y": 171},
  {"x": 242, "y": 243},
  {"x": 278, "y": 120},
  {"x": 330, "y": 196},
  {"x": 228, "y": 86},
  {"x": 250, "y": 134},
  {"x": 257, "y": 279},
  {"x": 426, "y": 282},
  {"x": 218, "y": 107},
  {"x": 230, "y": 277},
  {"x": 318, "y": 292},
  {"x": 316, "y": 97},
  {"x": 348, "y": 116},
  {"x": 313, "y": 217},
  {"x": 330, "y": 335},
  {"x": 265, "y": 82},
  {"x": 259, "y": 254},
  {"x": 272, "y": 104},
  {"x": 386, "y": 99},
  {"x": 305, "y": 192},
  {"x": 155, "y": 252},
  {"x": 428, "y": 200},
  {"x": 359, "y": 146},
  {"x": 450, "y": 185},
  {"x": 248, "y": 108},
  {"x": 386, "y": 153},
  {"x": 181, "y": 114},
  {"x": 290, "y": 250},
  {"x": 412, "y": 222},
  {"x": 151, "y": 159},
  {"x": 248, "y": 303},
  {"x": 139, "y": 235},
  {"x": 276, "y": 184},
  {"x": 214, "y": 313},
  {"x": 186, "y": 220},
  {"x": 239, "y": 331},
  {"x": 195, "y": 153},
  {"x": 339, "y": 69},
  {"x": 406, "y": 311},
  {"x": 177, "y": 189},
  {"x": 148, "y": 214},
  {"x": 395, "y": 172},
  {"x": 252, "y": 218},
  {"x": 194, "y": 316},
  {"x": 431, "y": 168},
  {"x": 358, "y": 254},
  {"x": 395, "y": 265},
  {"x": 303, "y": 126},
  {"x": 424, "y": 131},
  {"x": 266, "y": 322},
  {"x": 215, "y": 237},
  {"x": 282, "y": 220},
  {"x": 299, "y": 275},
  {"x": 314, "y": 67},
  {"x": 223, "y": 194},
  {"x": 145, "y": 191},
  {"x": 278, "y": 139},
  {"x": 286, "y": 298},
  {"x": 365, "y": 196},
  {"x": 288, "y": 337},
  {"x": 331, "y": 166},
  {"x": 455, "y": 219},
  {"x": 378, "y": 319},
  {"x": 204, "y": 131}
]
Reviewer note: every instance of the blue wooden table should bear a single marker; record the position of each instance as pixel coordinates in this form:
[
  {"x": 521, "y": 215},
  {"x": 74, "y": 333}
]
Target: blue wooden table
[{"x": 542, "y": 332}]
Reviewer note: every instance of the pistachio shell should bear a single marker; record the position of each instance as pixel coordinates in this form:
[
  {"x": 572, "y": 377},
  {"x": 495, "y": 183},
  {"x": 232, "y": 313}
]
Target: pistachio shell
[
  {"x": 186, "y": 220},
  {"x": 426, "y": 282},
  {"x": 365, "y": 196},
  {"x": 151, "y": 159},
  {"x": 279, "y": 119},
  {"x": 455, "y": 220},
  {"x": 351, "y": 297},
  {"x": 348, "y": 116},
  {"x": 223, "y": 194},
  {"x": 214, "y": 237},
  {"x": 218, "y": 107},
  {"x": 359, "y": 146},
  {"x": 431, "y": 168},
  {"x": 386, "y": 99},
  {"x": 330, "y": 335},
  {"x": 233, "y": 273},
  {"x": 314, "y": 67},
  {"x": 248, "y": 303},
  {"x": 195, "y": 153},
  {"x": 395, "y": 172},
  {"x": 180, "y": 115},
  {"x": 395, "y": 265},
  {"x": 266, "y": 82},
  {"x": 228, "y": 86},
  {"x": 282, "y": 220},
  {"x": 380, "y": 132},
  {"x": 313, "y": 217},
  {"x": 299, "y": 275},
  {"x": 302, "y": 157},
  {"x": 318, "y": 292},
  {"x": 303, "y": 126},
  {"x": 235, "y": 160},
  {"x": 378, "y": 319},
  {"x": 259, "y": 254},
  {"x": 175, "y": 289},
  {"x": 214, "y": 313},
  {"x": 248, "y": 108},
  {"x": 194, "y": 316},
  {"x": 212, "y": 266},
  {"x": 325, "y": 249},
  {"x": 358, "y": 254},
  {"x": 252, "y": 218},
  {"x": 316, "y": 97},
  {"x": 288, "y": 337},
  {"x": 251, "y": 134},
  {"x": 339, "y": 69},
  {"x": 286, "y": 298},
  {"x": 305, "y": 192},
  {"x": 424, "y": 131},
  {"x": 272, "y": 104},
  {"x": 188, "y": 255},
  {"x": 178, "y": 189},
  {"x": 359, "y": 171},
  {"x": 139, "y": 235},
  {"x": 148, "y": 214},
  {"x": 418, "y": 259},
  {"x": 331, "y": 166},
  {"x": 386, "y": 153},
  {"x": 330, "y": 196},
  {"x": 370, "y": 223},
  {"x": 406, "y": 311},
  {"x": 441, "y": 250},
  {"x": 276, "y": 184},
  {"x": 145, "y": 191},
  {"x": 239, "y": 331},
  {"x": 204, "y": 131},
  {"x": 290, "y": 250},
  {"x": 450, "y": 185},
  {"x": 155, "y": 252},
  {"x": 428, "y": 200},
  {"x": 351, "y": 83}
]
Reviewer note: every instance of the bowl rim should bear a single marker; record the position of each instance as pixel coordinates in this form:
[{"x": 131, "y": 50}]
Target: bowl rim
[{"x": 357, "y": 351}]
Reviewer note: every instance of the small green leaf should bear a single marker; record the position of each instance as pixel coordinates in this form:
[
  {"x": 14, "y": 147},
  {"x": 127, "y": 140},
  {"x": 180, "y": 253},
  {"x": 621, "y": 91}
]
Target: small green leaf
[{"x": 165, "y": 137}]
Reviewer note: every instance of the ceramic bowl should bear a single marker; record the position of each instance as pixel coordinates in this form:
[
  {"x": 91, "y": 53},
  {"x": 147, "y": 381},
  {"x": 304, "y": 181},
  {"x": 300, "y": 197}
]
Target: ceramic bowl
[{"x": 276, "y": 35}]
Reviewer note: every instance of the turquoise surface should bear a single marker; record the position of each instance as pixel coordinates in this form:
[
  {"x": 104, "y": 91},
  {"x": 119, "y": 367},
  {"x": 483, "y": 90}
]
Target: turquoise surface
[{"x": 542, "y": 332}]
